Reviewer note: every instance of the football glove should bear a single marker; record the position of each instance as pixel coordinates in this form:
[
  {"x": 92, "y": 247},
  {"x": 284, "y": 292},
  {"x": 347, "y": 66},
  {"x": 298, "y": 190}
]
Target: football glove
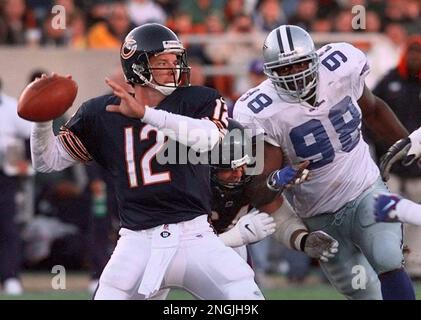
[
  {"x": 385, "y": 207},
  {"x": 408, "y": 150},
  {"x": 320, "y": 245},
  {"x": 250, "y": 228},
  {"x": 288, "y": 176}
]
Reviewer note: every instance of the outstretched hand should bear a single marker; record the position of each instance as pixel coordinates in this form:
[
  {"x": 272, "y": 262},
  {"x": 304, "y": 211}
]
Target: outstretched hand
[
  {"x": 289, "y": 176},
  {"x": 128, "y": 106}
]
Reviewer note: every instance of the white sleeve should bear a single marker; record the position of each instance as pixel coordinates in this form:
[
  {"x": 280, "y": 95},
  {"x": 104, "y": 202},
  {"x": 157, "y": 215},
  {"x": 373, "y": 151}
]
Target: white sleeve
[
  {"x": 290, "y": 229},
  {"x": 409, "y": 212},
  {"x": 199, "y": 134},
  {"x": 47, "y": 152}
]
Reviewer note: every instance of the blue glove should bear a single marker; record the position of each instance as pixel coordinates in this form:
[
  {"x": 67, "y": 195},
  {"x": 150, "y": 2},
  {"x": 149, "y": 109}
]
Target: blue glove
[
  {"x": 284, "y": 176},
  {"x": 384, "y": 206}
]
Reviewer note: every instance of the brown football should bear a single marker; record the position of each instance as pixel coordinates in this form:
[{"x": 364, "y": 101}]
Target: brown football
[{"x": 47, "y": 98}]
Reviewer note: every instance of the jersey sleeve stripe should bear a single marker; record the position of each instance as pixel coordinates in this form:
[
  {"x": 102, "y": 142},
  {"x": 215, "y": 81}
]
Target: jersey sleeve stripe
[{"x": 73, "y": 145}]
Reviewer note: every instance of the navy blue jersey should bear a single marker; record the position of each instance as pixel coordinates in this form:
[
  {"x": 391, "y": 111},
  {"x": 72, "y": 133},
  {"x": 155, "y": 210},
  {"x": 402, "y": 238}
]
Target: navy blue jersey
[
  {"x": 227, "y": 203},
  {"x": 148, "y": 193}
]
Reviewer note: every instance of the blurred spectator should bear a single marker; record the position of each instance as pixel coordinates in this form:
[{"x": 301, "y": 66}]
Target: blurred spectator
[
  {"x": 197, "y": 73},
  {"x": 373, "y": 22},
  {"x": 52, "y": 36},
  {"x": 379, "y": 61},
  {"x": 232, "y": 8},
  {"x": 78, "y": 38},
  {"x": 322, "y": 25},
  {"x": 170, "y": 6},
  {"x": 401, "y": 89},
  {"x": 254, "y": 77},
  {"x": 343, "y": 21},
  {"x": 200, "y": 9},
  {"x": 305, "y": 15},
  {"x": 17, "y": 25},
  {"x": 145, "y": 11},
  {"x": 395, "y": 11},
  {"x": 269, "y": 15},
  {"x": 14, "y": 164},
  {"x": 110, "y": 33}
]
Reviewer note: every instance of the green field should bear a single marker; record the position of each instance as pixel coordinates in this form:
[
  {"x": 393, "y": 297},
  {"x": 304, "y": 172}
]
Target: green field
[{"x": 307, "y": 292}]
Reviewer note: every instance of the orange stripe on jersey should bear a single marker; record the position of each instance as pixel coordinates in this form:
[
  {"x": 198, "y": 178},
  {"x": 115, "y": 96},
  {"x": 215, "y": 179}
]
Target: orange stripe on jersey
[{"x": 73, "y": 145}]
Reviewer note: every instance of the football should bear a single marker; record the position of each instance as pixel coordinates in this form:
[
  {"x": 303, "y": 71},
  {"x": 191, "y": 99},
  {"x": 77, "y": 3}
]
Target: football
[{"x": 47, "y": 98}]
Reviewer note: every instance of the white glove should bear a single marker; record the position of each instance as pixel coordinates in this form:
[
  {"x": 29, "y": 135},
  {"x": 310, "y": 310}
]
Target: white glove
[
  {"x": 414, "y": 151},
  {"x": 250, "y": 228},
  {"x": 320, "y": 245}
]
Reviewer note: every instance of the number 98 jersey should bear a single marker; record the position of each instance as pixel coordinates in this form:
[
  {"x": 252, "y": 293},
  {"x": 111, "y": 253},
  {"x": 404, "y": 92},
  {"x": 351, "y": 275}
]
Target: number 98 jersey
[{"x": 329, "y": 134}]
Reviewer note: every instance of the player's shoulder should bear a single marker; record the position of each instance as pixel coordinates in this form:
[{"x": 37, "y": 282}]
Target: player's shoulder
[
  {"x": 196, "y": 94},
  {"x": 342, "y": 59},
  {"x": 98, "y": 104},
  {"x": 344, "y": 47},
  {"x": 256, "y": 100}
]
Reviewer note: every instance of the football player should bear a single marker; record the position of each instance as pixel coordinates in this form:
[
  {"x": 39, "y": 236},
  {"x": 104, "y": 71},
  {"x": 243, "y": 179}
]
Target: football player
[
  {"x": 311, "y": 108},
  {"x": 236, "y": 221},
  {"x": 165, "y": 234},
  {"x": 233, "y": 213}
]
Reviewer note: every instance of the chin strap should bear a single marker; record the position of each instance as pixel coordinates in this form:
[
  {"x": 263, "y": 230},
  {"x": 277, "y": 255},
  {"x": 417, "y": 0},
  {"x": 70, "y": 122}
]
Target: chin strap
[{"x": 166, "y": 91}]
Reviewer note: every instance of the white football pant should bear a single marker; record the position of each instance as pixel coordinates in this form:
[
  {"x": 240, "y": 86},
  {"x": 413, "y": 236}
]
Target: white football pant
[{"x": 196, "y": 261}]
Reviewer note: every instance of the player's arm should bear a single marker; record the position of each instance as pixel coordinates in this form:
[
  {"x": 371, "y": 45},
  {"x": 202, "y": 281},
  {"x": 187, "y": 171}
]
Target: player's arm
[
  {"x": 48, "y": 153},
  {"x": 393, "y": 208},
  {"x": 199, "y": 134},
  {"x": 408, "y": 150},
  {"x": 273, "y": 160},
  {"x": 378, "y": 116},
  {"x": 291, "y": 231}
]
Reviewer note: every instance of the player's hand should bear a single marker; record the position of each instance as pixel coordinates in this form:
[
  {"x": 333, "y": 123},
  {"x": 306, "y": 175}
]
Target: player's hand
[
  {"x": 128, "y": 106},
  {"x": 255, "y": 226},
  {"x": 395, "y": 153},
  {"x": 320, "y": 245},
  {"x": 250, "y": 228},
  {"x": 408, "y": 150},
  {"x": 385, "y": 207},
  {"x": 289, "y": 176}
]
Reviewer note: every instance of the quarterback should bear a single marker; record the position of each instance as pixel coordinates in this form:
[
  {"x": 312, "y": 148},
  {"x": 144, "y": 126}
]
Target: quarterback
[{"x": 311, "y": 108}]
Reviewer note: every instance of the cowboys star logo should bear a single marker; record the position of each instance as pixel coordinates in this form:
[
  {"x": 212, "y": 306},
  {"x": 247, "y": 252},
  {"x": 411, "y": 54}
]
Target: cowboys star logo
[{"x": 129, "y": 48}]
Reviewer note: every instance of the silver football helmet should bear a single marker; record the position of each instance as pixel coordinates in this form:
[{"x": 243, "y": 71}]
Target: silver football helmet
[{"x": 288, "y": 45}]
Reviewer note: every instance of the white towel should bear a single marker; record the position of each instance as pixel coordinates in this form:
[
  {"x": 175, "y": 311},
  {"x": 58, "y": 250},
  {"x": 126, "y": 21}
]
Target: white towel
[{"x": 165, "y": 242}]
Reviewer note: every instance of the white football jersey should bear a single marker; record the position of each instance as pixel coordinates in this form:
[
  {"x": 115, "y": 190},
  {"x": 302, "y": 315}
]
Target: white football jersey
[{"x": 328, "y": 135}]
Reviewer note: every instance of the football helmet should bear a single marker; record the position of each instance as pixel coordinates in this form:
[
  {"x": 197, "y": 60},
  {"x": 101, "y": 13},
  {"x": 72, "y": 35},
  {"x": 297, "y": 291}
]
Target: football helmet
[
  {"x": 153, "y": 39},
  {"x": 285, "y": 46},
  {"x": 234, "y": 151}
]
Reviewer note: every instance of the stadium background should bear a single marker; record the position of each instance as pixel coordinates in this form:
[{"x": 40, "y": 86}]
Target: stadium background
[{"x": 224, "y": 39}]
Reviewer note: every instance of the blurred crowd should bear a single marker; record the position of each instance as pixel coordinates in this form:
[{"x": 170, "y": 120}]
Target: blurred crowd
[
  {"x": 75, "y": 209},
  {"x": 102, "y": 24}
]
